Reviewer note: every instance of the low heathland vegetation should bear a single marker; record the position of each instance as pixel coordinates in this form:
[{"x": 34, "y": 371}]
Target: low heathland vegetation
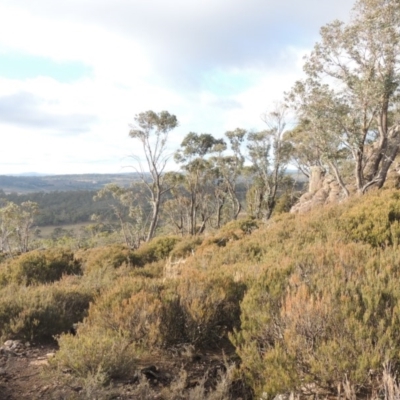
[{"x": 301, "y": 304}]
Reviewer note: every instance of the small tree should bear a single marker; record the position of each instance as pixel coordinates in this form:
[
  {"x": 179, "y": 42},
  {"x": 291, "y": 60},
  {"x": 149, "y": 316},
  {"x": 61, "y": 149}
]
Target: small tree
[
  {"x": 199, "y": 177},
  {"x": 127, "y": 209},
  {"x": 269, "y": 154},
  {"x": 230, "y": 168},
  {"x": 16, "y": 223},
  {"x": 151, "y": 130}
]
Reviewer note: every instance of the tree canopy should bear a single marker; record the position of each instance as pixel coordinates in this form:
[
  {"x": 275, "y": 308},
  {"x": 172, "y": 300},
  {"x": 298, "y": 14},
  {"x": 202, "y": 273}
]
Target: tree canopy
[{"x": 347, "y": 105}]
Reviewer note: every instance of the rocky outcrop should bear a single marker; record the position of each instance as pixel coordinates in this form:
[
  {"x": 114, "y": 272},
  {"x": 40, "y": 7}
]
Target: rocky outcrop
[{"x": 323, "y": 189}]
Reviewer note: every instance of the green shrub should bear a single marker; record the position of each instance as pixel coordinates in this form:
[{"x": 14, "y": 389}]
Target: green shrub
[
  {"x": 233, "y": 231},
  {"x": 95, "y": 351},
  {"x": 331, "y": 316},
  {"x": 374, "y": 220},
  {"x": 186, "y": 247},
  {"x": 3, "y": 257},
  {"x": 285, "y": 202},
  {"x": 156, "y": 250},
  {"x": 40, "y": 266},
  {"x": 145, "y": 311},
  {"x": 10, "y": 307},
  {"x": 39, "y": 312},
  {"x": 210, "y": 306},
  {"x": 196, "y": 309},
  {"x": 113, "y": 256}
]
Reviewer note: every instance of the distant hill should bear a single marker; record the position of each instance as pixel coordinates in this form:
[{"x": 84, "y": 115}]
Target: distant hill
[
  {"x": 49, "y": 183},
  {"x": 29, "y": 174}
]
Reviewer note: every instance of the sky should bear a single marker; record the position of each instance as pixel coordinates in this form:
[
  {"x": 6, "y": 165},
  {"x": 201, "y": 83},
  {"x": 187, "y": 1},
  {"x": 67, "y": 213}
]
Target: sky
[{"x": 74, "y": 74}]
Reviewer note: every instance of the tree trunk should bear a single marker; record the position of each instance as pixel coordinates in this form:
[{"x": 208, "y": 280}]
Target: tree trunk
[{"x": 154, "y": 219}]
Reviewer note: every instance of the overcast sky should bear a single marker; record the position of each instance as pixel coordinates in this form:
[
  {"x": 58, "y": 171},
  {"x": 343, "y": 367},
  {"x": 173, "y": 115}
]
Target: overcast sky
[{"x": 74, "y": 73}]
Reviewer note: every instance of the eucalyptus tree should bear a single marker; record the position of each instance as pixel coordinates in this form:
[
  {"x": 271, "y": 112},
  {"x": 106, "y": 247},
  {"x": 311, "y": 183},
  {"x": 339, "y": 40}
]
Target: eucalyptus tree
[
  {"x": 231, "y": 167},
  {"x": 16, "y": 222},
  {"x": 151, "y": 130},
  {"x": 8, "y": 213},
  {"x": 349, "y": 101},
  {"x": 126, "y": 204},
  {"x": 176, "y": 207},
  {"x": 24, "y": 223},
  {"x": 199, "y": 176},
  {"x": 269, "y": 154}
]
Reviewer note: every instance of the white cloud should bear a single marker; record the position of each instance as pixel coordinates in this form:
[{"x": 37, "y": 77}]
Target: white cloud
[{"x": 216, "y": 64}]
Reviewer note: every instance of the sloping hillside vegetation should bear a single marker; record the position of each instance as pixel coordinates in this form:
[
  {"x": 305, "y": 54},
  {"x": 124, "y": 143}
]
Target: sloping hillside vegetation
[{"x": 302, "y": 304}]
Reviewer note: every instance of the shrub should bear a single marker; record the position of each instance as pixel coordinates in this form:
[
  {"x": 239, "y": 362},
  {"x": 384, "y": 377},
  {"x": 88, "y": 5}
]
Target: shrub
[
  {"x": 158, "y": 249},
  {"x": 333, "y": 316},
  {"x": 39, "y": 312},
  {"x": 211, "y": 307},
  {"x": 195, "y": 309},
  {"x": 232, "y": 231},
  {"x": 186, "y": 247},
  {"x": 375, "y": 220},
  {"x": 144, "y": 311},
  {"x": 93, "y": 351},
  {"x": 40, "y": 266},
  {"x": 113, "y": 256},
  {"x": 285, "y": 202}
]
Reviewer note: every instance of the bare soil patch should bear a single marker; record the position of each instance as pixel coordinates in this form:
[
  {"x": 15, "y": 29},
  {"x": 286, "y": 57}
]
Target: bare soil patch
[{"x": 24, "y": 374}]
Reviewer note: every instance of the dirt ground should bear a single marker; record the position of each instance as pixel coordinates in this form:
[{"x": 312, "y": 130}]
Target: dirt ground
[
  {"x": 21, "y": 372},
  {"x": 24, "y": 375}
]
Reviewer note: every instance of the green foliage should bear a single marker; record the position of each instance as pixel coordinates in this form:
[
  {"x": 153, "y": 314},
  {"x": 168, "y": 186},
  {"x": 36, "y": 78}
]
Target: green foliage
[
  {"x": 285, "y": 202},
  {"x": 151, "y": 130},
  {"x": 158, "y": 249},
  {"x": 196, "y": 309},
  {"x": 351, "y": 73},
  {"x": 15, "y": 225},
  {"x": 39, "y": 266},
  {"x": 246, "y": 225},
  {"x": 62, "y": 207},
  {"x": 331, "y": 315},
  {"x": 113, "y": 256},
  {"x": 186, "y": 247},
  {"x": 40, "y": 312},
  {"x": 93, "y": 351},
  {"x": 210, "y": 305},
  {"x": 376, "y": 220},
  {"x": 310, "y": 302},
  {"x": 233, "y": 231}
]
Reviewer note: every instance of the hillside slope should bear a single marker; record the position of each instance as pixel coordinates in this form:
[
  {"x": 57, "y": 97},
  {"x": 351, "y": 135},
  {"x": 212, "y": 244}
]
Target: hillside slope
[{"x": 305, "y": 304}]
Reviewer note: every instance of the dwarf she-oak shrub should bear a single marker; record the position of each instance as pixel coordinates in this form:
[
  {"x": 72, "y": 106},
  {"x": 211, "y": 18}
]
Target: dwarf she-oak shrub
[
  {"x": 233, "y": 231},
  {"x": 146, "y": 311}
]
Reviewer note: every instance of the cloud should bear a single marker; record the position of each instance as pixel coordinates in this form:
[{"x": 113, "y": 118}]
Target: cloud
[
  {"x": 177, "y": 39},
  {"x": 216, "y": 64},
  {"x": 26, "y": 110},
  {"x": 226, "y": 104}
]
